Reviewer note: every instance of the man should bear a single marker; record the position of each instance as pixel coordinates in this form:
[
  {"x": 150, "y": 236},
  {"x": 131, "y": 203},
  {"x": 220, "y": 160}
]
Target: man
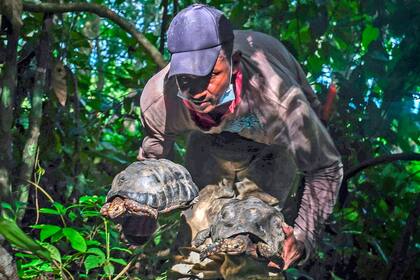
[{"x": 248, "y": 104}]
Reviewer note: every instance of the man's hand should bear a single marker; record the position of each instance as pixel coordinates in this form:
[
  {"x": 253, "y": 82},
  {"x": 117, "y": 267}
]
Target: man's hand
[{"x": 292, "y": 248}]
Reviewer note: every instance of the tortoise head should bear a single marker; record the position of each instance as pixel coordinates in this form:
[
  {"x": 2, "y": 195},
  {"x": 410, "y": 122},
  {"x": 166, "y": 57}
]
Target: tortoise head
[{"x": 249, "y": 216}]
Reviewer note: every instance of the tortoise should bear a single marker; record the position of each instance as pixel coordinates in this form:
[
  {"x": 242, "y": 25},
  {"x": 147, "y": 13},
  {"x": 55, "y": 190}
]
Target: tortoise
[
  {"x": 248, "y": 226},
  {"x": 145, "y": 189}
]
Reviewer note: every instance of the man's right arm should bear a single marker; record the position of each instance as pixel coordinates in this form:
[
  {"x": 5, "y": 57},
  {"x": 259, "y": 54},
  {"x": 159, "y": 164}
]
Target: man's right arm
[{"x": 155, "y": 144}]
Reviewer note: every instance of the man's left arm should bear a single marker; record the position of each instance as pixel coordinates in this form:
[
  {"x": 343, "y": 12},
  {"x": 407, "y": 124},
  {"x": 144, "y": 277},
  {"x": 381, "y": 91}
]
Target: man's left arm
[{"x": 318, "y": 159}]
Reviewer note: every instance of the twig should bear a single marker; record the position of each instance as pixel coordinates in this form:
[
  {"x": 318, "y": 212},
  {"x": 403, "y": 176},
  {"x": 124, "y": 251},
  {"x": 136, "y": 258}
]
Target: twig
[
  {"x": 124, "y": 270},
  {"x": 380, "y": 160},
  {"x": 49, "y": 198},
  {"x": 36, "y": 191},
  {"x": 104, "y": 12},
  {"x": 369, "y": 163}
]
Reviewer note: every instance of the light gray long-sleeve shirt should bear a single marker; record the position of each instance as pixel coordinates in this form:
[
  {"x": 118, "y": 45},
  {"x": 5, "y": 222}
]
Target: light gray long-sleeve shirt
[{"x": 275, "y": 109}]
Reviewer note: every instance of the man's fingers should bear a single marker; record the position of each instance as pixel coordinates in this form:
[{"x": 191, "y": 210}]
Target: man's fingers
[
  {"x": 291, "y": 259},
  {"x": 272, "y": 264},
  {"x": 288, "y": 230}
]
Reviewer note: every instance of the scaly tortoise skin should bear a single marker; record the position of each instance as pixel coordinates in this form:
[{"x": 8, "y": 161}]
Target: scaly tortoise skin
[
  {"x": 247, "y": 226},
  {"x": 145, "y": 189}
]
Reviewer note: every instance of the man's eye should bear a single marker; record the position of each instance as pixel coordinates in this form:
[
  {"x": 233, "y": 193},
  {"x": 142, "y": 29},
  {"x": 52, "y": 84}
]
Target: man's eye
[{"x": 184, "y": 81}]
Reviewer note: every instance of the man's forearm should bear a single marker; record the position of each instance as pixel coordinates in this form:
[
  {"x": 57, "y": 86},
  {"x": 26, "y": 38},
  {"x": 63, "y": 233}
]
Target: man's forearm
[{"x": 318, "y": 200}]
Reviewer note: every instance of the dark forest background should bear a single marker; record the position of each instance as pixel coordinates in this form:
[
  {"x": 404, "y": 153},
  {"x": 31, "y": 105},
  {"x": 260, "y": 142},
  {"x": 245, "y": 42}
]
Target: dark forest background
[{"x": 71, "y": 77}]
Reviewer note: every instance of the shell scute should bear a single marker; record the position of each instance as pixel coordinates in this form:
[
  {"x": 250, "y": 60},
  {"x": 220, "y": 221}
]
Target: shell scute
[{"x": 158, "y": 183}]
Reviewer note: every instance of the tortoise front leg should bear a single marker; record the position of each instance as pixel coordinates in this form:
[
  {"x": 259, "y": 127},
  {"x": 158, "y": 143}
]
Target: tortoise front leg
[
  {"x": 265, "y": 250},
  {"x": 201, "y": 237}
]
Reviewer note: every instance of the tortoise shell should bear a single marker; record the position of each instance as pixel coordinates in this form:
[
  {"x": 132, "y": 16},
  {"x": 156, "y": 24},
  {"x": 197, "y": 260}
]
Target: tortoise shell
[
  {"x": 250, "y": 215},
  {"x": 158, "y": 183}
]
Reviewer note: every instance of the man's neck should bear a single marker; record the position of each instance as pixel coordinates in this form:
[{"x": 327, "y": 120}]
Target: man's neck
[{"x": 219, "y": 111}]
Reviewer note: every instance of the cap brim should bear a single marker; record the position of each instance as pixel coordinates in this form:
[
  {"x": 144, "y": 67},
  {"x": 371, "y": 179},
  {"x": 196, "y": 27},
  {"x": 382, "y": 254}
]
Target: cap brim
[{"x": 198, "y": 63}]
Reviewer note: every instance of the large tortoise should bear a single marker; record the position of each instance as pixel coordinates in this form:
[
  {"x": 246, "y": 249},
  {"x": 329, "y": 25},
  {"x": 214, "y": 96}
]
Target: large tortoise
[
  {"x": 248, "y": 226},
  {"x": 145, "y": 189}
]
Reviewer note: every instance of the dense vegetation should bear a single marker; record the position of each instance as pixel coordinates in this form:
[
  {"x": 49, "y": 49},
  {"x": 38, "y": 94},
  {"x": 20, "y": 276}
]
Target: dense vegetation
[{"x": 71, "y": 77}]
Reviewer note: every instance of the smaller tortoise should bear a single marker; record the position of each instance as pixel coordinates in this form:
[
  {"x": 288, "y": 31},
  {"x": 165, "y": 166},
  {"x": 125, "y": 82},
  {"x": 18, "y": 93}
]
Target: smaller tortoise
[
  {"x": 247, "y": 226},
  {"x": 145, "y": 189}
]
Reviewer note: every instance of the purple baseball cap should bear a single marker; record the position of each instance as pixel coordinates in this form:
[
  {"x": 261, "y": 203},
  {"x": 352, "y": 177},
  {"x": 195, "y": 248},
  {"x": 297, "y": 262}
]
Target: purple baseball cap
[{"x": 195, "y": 37}]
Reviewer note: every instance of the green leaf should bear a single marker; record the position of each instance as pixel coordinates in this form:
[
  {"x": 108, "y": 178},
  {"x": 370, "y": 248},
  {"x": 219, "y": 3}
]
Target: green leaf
[
  {"x": 350, "y": 214},
  {"x": 379, "y": 249},
  {"x": 54, "y": 253},
  {"x": 293, "y": 273},
  {"x": 32, "y": 263},
  {"x": 93, "y": 243},
  {"x": 89, "y": 213},
  {"x": 109, "y": 269},
  {"x": 121, "y": 249},
  {"x": 49, "y": 211},
  {"x": 47, "y": 231},
  {"x": 60, "y": 208},
  {"x": 56, "y": 237},
  {"x": 12, "y": 233},
  {"x": 335, "y": 277},
  {"x": 119, "y": 261},
  {"x": 6, "y": 205},
  {"x": 93, "y": 261},
  {"x": 369, "y": 35},
  {"x": 96, "y": 251},
  {"x": 97, "y": 259},
  {"x": 157, "y": 239},
  {"x": 72, "y": 216},
  {"x": 76, "y": 239}
]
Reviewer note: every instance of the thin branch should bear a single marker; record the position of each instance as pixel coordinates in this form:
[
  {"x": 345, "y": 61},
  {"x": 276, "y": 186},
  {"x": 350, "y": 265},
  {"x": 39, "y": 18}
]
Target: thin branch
[
  {"x": 380, "y": 160},
  {"x": 369, "y": 163},
  {"x": 103, "y": 12},
  {"x": 49, "y": 198}
]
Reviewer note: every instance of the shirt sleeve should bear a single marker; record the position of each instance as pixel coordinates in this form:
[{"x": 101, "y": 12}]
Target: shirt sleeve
[
  {"x": 306, "y": 87},
  {"x": 317, "y": 158},
  {"x": 158, "y": 139},
  {"x": 156, "y": 144}
]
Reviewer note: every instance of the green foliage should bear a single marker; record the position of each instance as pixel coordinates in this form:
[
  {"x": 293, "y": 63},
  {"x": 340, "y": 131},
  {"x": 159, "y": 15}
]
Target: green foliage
[
  {"x": 369, "y": 49},
  {"x": 84, "y": 248},
  {"x": 10, "y": 231}
]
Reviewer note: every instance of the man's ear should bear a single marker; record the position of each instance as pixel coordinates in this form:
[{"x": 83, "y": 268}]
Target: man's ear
[{"x": 236, "y": 59}]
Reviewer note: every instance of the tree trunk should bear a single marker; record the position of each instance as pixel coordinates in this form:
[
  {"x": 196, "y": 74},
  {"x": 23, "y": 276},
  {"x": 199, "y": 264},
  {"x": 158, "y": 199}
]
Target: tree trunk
[
  {"x": 35, "y": 118},
  {"x": 7, "y": 264},
  {"x": 7, "y": 95}
]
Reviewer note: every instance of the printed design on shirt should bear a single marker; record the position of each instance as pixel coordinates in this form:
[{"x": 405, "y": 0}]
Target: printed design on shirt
[{"x": 249, "y": 121}]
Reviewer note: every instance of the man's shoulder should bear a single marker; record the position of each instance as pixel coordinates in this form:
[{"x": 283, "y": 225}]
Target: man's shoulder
[
  {"x": 154, "y": 90},
  {"x": 251, "y": 40}
]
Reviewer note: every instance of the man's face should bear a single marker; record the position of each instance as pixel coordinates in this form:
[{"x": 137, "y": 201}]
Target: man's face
[{"x": 203, "y": 92}]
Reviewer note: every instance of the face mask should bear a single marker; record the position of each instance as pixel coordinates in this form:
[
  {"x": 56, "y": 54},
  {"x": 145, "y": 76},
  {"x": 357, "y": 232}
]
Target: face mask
[{"x": 227, "y": 96}]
